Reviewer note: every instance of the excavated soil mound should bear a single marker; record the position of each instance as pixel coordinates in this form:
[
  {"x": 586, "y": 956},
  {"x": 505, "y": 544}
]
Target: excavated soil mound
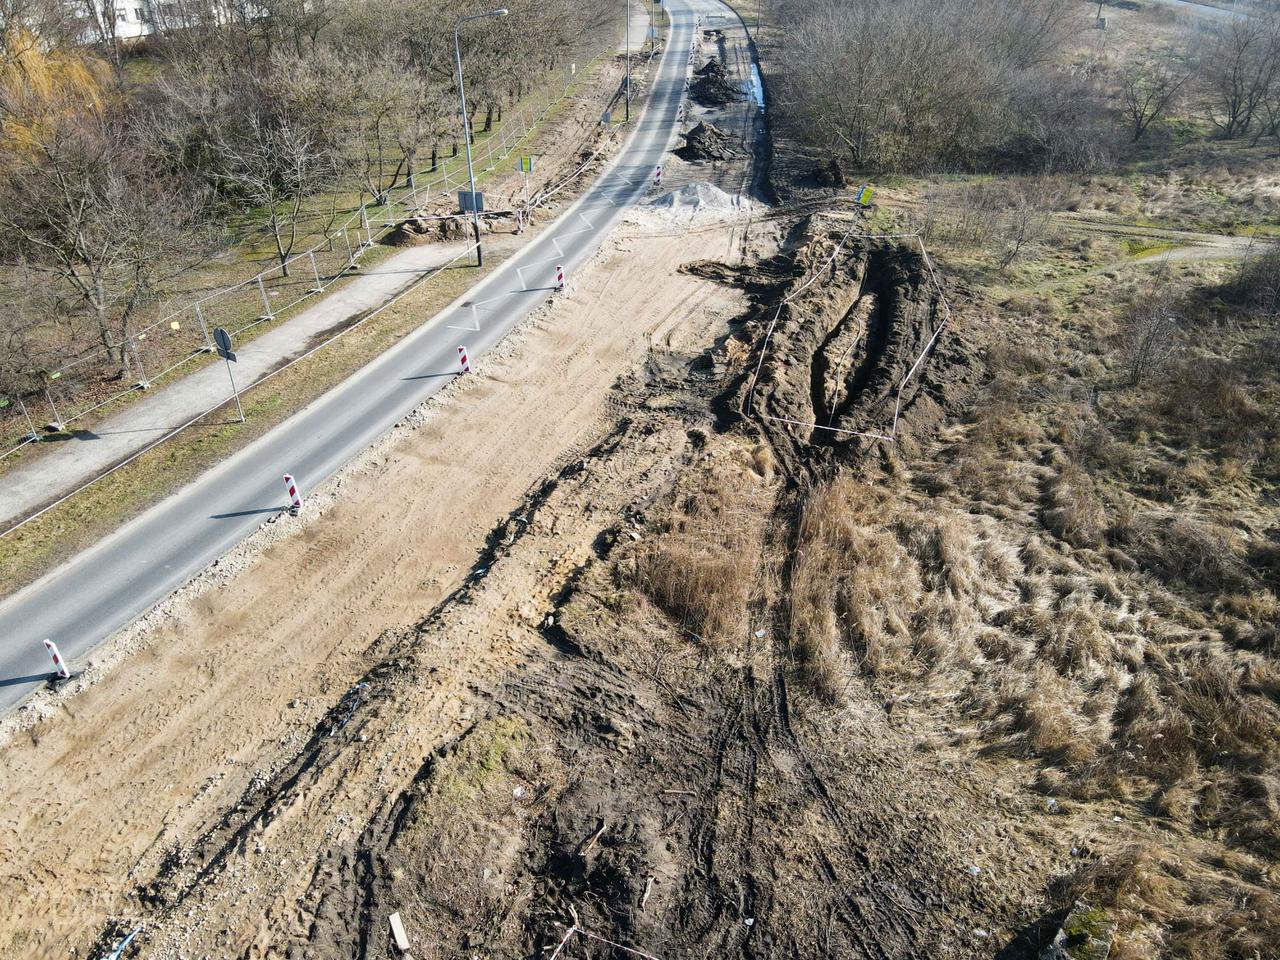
[
  {"x": 713, "y": 88},
  {"x": 837, "y": 361},
  {"x": 707, "y": 142},
  {"x": 419, "y": 230}
]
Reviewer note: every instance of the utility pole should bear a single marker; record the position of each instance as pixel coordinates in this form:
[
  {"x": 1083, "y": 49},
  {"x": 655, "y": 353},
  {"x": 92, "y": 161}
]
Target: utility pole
[
  {"x": 466, "y": 122},
  {"x": 626, "y": 12}
]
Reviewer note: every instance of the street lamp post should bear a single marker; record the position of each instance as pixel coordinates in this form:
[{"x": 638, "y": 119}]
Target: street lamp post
[
  {"x": 626, "y": 12},
  {"x": 466, "y": 121}
]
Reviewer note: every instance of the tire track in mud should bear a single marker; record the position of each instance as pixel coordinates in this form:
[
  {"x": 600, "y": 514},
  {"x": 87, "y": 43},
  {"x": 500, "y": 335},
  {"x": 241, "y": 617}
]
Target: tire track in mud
[{"x": 342, "y": 729}]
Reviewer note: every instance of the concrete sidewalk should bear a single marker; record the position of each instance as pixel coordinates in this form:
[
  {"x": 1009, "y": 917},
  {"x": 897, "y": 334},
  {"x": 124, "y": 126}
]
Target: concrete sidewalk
[{"x": 64, "y": 465}]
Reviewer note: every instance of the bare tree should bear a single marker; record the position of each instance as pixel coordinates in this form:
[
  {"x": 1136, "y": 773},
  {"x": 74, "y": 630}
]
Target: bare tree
[
  {"x": 1025, "y": 222},
  {"x": 918, "y": 83},
  {"x": 275, "y": 167},
  {"x": 1257, "y": 282},
  {"x": 84, "y": 209},
  {"x": 386, "y": 94},
  {"x": 1148, "y": 89},
  {"x": 1242, "y": 68}
]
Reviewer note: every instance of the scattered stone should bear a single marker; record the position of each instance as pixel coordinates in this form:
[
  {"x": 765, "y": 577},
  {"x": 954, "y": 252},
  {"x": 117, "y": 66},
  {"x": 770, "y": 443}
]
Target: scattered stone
[{"x": 1085, "y": 935}]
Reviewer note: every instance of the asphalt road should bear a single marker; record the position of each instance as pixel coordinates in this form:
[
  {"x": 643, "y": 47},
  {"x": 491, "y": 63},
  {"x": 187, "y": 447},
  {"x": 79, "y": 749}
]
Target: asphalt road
[{"x": 111, "y": 584}]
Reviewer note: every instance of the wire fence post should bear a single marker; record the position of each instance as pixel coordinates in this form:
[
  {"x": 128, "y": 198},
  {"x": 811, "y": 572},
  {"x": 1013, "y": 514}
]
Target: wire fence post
[
  {"x": 31, "y": 427},
  {"x": 350, "y": 253},
  {"x": 315, "y": 269},
  {"x": 58, "y": 423},
  {"x": 143, "y": 382},
  {"x": 266, "y": 301},
  {"x": 204, "y": 328}
]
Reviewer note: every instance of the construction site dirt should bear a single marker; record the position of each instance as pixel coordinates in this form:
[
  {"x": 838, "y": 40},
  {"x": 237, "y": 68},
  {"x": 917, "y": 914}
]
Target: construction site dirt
[{"x": 582, "y": 688}]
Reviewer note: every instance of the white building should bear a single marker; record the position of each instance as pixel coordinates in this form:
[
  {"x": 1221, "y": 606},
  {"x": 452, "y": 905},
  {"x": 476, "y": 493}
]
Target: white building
[{"x": 127, "y": 20}]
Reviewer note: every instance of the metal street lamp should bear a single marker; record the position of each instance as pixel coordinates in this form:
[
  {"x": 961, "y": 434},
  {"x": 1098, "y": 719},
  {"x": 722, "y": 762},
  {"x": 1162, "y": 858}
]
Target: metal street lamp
[
  {"x": 466, "y": 121},
  {"x": 626, "y": 12}
]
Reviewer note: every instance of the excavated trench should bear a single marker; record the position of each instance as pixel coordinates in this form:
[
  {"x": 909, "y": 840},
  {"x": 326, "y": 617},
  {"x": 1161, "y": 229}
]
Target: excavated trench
[{"x": 840, "y": 351}]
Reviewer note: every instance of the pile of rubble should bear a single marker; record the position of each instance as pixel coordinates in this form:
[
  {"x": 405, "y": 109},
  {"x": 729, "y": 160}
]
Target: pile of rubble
[
  {"x": 713, "y": 88},
  {"x": 706, "y": 142}
]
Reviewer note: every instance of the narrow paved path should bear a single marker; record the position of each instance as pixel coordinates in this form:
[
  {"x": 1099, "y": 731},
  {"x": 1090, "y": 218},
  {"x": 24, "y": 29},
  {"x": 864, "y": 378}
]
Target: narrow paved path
[
  {"x": 109, "y": 585},
  {"x": 68, "y": 464},
  {"x": 1205, "y": 10}
]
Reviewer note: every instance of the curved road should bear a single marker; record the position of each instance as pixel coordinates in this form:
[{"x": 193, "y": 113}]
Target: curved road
[{"x": 120, "y": 578}]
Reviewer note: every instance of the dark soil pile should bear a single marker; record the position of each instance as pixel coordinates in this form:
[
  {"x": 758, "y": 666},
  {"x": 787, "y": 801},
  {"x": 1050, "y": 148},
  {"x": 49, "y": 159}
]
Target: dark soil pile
[
  {"x": 707, "y": 142},
  {"x": 713, "y": 88},
  {"x": 419, "y": 230},
  {"x": 840, "y": 352}
]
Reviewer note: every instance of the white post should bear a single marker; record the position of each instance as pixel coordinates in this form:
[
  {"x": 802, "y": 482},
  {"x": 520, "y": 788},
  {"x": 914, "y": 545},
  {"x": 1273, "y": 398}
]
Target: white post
[
  {"x": 235, "y": 391},
  {"x": 143, "y": 382},
  {"x": 266, "y": 301},
  {"x": 204, "y": 328},
  {"x": 295, "y": 498},
  {"x": 58, "y": 423},
  {"x": 319, "y": 287},
  {"x": 30, "y": 424},
  {"x": 59, "y": 664}
]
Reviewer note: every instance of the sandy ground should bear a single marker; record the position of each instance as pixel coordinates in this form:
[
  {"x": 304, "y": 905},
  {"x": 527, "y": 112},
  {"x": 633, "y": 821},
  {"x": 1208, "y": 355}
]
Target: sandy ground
[
  {"x": 214, "y": 694},
  {"x": 228, "y": 680}
]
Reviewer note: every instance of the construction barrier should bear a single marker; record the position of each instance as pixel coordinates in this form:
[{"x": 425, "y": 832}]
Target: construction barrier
[
  {"x": 58, "y": 663},
  {"x": 295, "y": 499}
]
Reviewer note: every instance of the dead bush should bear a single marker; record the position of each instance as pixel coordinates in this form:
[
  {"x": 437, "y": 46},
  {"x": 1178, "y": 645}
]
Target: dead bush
[
  {"x": 701, "y": 566},
  {"x": 1166, "y": 905},
  {"x": 1211, "y": 400},
  {"x": 1194, "y": 552},
  {"x": 850, "y": 582},
  {"x": 1072, "y": 510},
  {"x": 1257, "y": 283},
  {"x": 1052, "y": 729}
]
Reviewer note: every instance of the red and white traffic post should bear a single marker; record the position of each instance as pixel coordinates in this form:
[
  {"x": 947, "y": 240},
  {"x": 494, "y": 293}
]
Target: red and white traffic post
[
  {"x": 295, "y": 498},
  {"x": 59, "y": 665},
  {"x": 559, "y": 278},
  {"x": 519, "y": 221},
  {"x": 657, "y": 176},
  {"x": 463, "y": 361}
]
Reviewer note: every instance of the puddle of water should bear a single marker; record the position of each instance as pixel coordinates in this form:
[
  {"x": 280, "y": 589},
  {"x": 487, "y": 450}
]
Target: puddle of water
[{"x": 755, "y": 88}]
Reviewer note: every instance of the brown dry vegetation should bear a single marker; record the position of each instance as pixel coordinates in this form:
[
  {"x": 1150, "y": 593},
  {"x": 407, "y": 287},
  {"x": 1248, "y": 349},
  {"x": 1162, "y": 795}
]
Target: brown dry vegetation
[
  {"x": 702, "y": 568},
  {"x": 1074, "y": 579}
]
